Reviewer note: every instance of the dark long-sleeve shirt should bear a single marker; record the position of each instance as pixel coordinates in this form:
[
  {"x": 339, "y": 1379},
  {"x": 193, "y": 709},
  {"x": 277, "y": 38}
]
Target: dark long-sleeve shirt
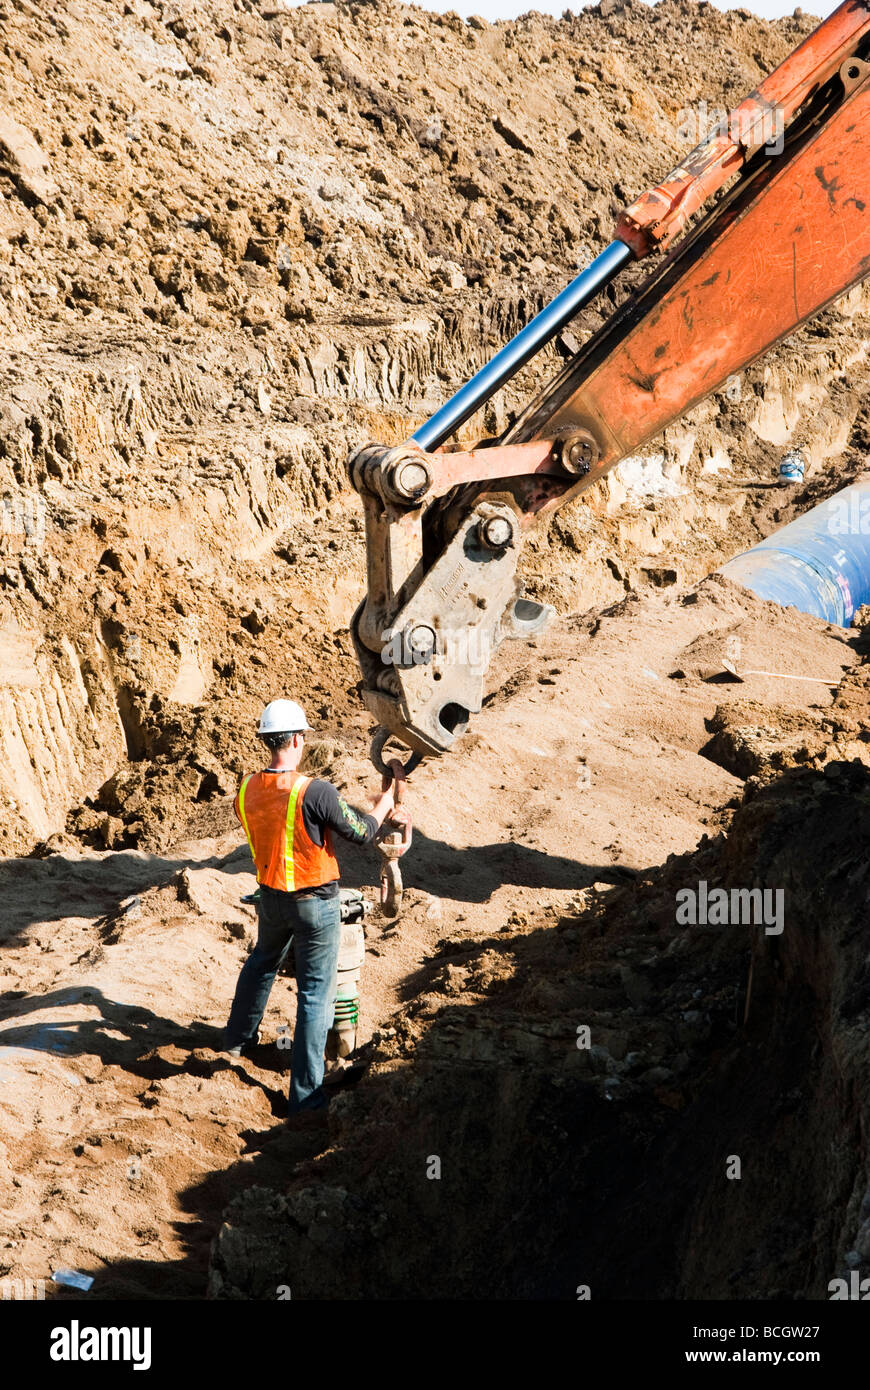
[{"x": 322, "y": 807}]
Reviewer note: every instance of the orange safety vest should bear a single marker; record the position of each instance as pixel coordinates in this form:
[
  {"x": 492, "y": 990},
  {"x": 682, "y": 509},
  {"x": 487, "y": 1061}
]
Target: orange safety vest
[{"x": 269, "y": 806}]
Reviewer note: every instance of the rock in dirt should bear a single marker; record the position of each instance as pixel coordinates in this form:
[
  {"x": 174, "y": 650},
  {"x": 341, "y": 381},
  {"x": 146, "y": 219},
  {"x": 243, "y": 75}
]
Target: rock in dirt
[{"x": 26, "y": 163}]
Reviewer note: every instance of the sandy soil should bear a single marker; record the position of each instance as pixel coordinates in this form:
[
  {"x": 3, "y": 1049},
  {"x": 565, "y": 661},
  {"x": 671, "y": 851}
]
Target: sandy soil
[{"x": 585, "y": 768}]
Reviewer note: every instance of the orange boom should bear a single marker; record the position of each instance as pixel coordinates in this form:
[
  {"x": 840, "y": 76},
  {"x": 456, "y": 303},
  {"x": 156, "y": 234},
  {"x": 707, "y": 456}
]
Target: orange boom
[{"x": 787, "y": 232}]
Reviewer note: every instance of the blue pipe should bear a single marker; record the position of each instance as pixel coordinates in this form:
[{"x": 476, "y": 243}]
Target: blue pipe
[
  {"x": 522, "y": 348},
  {"x": 819, "y": 564}
]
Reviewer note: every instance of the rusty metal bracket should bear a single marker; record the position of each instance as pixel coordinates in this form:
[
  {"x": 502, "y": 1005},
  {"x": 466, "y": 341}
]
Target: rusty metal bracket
[{"x": 435, "y": 612}]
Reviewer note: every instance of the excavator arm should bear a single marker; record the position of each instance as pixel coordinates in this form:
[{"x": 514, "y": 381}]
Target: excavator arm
[{"x": 788, "y": 232}]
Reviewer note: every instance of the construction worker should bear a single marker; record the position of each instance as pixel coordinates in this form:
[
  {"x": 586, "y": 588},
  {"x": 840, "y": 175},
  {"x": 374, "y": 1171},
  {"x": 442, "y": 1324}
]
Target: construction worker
[{"x": 290, "y": 821}]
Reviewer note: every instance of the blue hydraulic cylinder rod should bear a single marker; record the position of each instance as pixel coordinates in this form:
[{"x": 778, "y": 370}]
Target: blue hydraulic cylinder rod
[
  {"x": 515, "y": 354},
  {"x": 819, "y": 564}
]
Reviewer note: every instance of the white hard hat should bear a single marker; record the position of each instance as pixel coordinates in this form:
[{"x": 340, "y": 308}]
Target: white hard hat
[{"x": 283, "y": 717}]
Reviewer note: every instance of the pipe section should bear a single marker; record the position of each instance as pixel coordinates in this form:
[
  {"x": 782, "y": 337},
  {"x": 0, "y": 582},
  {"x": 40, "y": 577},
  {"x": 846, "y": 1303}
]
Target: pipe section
[{"x": 819, "y": 564}]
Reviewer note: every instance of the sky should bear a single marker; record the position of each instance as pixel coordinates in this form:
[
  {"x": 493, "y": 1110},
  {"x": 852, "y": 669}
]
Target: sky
[{"x": 509, "y": 9}]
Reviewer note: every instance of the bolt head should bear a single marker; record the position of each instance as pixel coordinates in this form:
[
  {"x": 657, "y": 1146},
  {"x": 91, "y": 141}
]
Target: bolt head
[
  {"x": 496, "y": 532},
  {"x": 421, "y": 641},
  {"x": 579, "y": 453},
  {"x": 412, "y": 479}
]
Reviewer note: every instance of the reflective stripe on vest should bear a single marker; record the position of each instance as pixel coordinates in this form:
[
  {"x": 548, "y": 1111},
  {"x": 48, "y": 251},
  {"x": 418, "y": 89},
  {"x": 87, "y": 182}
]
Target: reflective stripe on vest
[
  {"x": 243, "y": 818},
  {"x": 289, "y": 871}
]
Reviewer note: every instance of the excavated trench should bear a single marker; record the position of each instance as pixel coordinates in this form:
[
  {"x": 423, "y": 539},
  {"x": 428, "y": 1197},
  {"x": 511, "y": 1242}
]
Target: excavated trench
[{"x": 711, "y": 1143}]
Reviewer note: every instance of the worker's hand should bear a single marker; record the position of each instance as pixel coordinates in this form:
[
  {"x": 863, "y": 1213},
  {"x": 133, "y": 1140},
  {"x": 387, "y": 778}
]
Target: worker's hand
[
  {"x": 396, "y": 774},
  {"x": 399, "y": 816},
  {"x": 382, "y": 806},
  {"x": 393, "y": 784}
]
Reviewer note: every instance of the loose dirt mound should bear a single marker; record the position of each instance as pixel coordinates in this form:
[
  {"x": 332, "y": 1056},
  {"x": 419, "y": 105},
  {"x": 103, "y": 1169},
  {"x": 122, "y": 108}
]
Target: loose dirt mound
[{"x": 237, "y": 241}]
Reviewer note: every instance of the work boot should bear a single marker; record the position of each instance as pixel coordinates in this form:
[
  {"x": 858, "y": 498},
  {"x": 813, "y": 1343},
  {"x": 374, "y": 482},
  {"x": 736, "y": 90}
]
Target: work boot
[{"x": 243, "y": 1049}]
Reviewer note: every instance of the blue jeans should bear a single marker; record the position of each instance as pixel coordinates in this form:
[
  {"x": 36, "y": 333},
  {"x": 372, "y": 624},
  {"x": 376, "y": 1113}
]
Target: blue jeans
[{"x": 314, "y": 926}]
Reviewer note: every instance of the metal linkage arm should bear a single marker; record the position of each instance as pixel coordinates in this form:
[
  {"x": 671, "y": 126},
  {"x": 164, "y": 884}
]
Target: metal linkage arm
[{"x": 430, "y": 621}]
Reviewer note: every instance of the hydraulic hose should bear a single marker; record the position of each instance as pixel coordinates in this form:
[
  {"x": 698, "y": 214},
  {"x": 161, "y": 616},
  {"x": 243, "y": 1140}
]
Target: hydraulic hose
[{"x": 522, "y": 348}]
